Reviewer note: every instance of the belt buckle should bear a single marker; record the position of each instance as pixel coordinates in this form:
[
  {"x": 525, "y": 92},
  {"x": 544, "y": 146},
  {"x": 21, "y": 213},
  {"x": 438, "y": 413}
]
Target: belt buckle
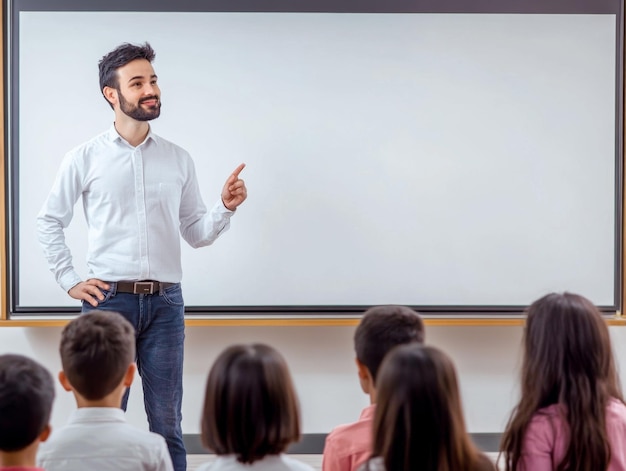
[{"x": 143, "y": 287}]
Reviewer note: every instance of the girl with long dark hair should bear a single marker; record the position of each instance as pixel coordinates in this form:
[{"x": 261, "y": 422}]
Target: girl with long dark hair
[{"x": 571, "y": 415}]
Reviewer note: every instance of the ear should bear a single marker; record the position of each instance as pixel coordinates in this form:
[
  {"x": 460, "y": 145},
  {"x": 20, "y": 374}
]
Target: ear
[
  {"x": 365, "y": 378},
  {"x": 43, "y": 436},
  {"x": 64, "y": 381},
  {"x": 110, "y": 94},
  {"x": 362, "y": 371},
  {"x": 130, "y": 375}
]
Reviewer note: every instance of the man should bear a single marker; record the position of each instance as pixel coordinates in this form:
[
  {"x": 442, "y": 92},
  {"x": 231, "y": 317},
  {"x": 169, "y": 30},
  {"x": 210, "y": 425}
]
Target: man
[{"x": 138, "y": 192}]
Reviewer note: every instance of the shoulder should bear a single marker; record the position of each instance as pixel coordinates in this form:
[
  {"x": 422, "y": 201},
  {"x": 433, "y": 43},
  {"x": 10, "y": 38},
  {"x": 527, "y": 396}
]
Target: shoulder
[
  {"x": 548, "y": 416},
  {"x": 341, "y": 433},
  {"x": 616, "y": 408},
  {"x": 349, "y": 445},
  {"x": 347, "y": 434},
  {"x": 616, "y": 419},
  {"x": 150, "y": 437},
  {"x": 204, "y": 467},
  {"x": 546, "y": 432},
  {"x": 484, "y": 463},
  {"x": 148, "y": 440},
  {"x": 93, "y": 145},
  {"x": 295, "y": 465},
  {"x": 169, "y": 146}
]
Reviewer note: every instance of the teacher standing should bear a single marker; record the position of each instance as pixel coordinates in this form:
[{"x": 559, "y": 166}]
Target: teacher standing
[{"x": 139, "y": 191}]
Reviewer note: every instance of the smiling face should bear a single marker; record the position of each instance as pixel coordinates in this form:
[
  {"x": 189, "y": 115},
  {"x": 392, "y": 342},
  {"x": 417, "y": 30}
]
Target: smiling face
[{"x": 137, "y": 94}]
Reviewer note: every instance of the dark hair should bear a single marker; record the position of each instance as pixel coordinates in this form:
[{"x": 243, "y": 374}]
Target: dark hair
[
  {"x": 383, "y": 328},
  {"x": 418, "y": 423},
  {"x": 567, "y": 360},
  {"x": 26, "y": 396},
  {"x": 250, "y": 405},
  {"x": 119, "y": 57},
  {"x": 96, "y": 349}
]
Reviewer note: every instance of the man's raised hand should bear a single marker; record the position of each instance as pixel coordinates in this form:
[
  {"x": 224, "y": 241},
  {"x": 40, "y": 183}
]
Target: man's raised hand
[{"x": 234, "y": 192}]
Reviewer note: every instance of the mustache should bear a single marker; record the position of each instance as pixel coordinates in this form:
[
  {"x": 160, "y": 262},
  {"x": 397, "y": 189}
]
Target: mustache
[{"x": 148, "y": 98}]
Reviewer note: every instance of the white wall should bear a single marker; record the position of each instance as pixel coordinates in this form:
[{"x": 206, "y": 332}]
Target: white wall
[{"x": 321, "y": 360}]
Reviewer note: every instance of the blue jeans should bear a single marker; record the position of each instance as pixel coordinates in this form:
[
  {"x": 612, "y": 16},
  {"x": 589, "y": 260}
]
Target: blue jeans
[{"x": 159, "y": 324}]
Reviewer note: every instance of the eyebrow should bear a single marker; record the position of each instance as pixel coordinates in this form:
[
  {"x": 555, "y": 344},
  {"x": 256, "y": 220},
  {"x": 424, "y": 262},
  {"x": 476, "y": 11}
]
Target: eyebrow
[{"x": 138, "y": 77}]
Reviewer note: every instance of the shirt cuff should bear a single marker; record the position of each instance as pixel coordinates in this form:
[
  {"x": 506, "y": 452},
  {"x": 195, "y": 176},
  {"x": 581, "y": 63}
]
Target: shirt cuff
[
  {"x": 219, "y": 207},
  {"x": 70, "y": 280}
]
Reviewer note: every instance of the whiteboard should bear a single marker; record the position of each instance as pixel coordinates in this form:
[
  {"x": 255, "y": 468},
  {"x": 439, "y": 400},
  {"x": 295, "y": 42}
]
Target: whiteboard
[{"x": 426, "y": 159}]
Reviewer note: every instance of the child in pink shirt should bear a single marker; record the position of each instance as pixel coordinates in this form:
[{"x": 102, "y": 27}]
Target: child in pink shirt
[
  {"x": 571, "y": 414},
  {"x": 381, "y": 329}
]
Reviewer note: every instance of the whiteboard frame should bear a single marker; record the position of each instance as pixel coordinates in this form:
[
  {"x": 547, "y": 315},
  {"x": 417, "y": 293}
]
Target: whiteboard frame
[{"x": 10, "y": 168}]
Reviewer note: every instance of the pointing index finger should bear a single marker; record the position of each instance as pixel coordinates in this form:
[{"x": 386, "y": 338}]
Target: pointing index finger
[{"x": 238, "y": 170}]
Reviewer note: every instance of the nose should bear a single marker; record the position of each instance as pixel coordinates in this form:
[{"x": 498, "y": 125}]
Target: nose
[{"x": 150, "y": 89}]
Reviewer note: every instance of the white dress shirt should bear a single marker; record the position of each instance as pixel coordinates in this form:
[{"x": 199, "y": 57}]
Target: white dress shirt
[
  {"x": 135, "y": 200},
  {"x": 269, "y": 463},
  {"x": 99, "y": 438}
]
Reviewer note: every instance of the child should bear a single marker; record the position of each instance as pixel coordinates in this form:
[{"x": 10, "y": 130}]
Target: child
[
  {"x": 381, "y": 329},
  {"x": 419, "y": 420},
  {"x": 251, "y": 411},
  {"x": 26, "y": 395},
  {"x": 571, "y": 414},
  {"x": 97, "y": 355}
]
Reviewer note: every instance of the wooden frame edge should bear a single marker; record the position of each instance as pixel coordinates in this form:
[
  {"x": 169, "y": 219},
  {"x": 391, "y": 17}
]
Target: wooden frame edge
[
  {"x": 311, "y": 322},
  {"x": 622, "y": 262},
  {"x": 4, "y": 279}
]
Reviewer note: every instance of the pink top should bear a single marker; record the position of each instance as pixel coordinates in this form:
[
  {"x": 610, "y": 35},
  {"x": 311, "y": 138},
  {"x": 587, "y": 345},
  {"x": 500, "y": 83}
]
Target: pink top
[
  {"x": 546, "y": 439},
  {"x": 350, "y": 445},
  {"x": 20, "y": 468}
]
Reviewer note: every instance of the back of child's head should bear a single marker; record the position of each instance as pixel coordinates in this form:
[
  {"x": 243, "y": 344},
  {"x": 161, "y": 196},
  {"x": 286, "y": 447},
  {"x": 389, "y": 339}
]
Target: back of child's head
[
  {"x": 96, "y": 350},
  {"x": 26, "y": 396},
  {"x": 419, "y": 422},
  {"x": 381, "y": 329},
  {"x": 566, "y": 342},
  {"x": 250, "y": 405}
]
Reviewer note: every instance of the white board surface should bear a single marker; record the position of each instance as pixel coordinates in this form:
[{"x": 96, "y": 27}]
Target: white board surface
[{"x": 420, "y": 159}]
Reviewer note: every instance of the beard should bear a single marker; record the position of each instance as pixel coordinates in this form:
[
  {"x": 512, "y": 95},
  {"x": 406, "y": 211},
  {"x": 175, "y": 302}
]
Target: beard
[{"x": 136, "y": 111}]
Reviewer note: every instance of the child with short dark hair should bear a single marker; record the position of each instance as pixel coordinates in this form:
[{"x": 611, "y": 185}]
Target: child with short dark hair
[
  {"x": 381, "y": 329},
  {"x": 97, "y": 353},
  {"x": 251, "y": 411},
  {"x": 26, "y": 396}
]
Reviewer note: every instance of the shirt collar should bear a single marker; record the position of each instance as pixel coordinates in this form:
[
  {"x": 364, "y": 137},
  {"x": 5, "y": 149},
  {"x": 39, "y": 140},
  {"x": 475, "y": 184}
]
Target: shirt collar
[
  {"x": 97, "y": 414},
  {"x": 113, "y": 136}
]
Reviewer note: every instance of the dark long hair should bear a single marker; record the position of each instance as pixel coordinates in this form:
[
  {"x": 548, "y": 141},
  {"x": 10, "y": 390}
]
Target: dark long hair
[
  {"x": 567, "y": 360},
  {"x": 418, "y": 422}
]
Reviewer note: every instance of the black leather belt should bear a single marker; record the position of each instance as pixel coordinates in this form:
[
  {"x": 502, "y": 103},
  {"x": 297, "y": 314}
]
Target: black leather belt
[{"x": 142, "y": 287}]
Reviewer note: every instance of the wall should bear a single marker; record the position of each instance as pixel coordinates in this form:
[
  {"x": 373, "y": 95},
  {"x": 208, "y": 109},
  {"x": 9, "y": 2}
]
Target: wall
[{"x": 321, "y": 361}]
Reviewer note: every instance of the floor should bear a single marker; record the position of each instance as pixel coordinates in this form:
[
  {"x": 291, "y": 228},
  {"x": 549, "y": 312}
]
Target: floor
[{"x": 193, "y": 461}]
